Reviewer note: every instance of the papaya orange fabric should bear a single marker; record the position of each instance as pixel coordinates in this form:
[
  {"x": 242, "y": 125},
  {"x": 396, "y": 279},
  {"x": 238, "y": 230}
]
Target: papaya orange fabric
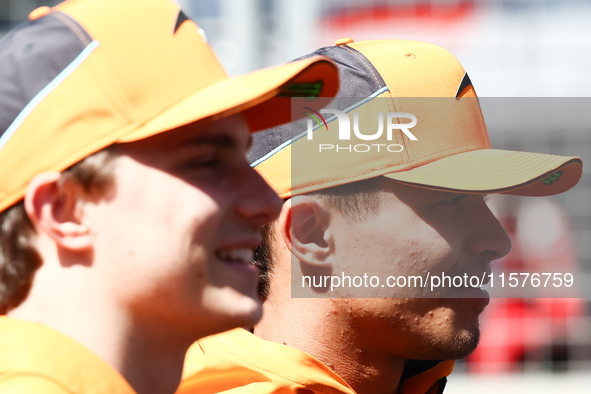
[
  {"x": 238, "y": 362},
  {"x": 37, "y": 359}
]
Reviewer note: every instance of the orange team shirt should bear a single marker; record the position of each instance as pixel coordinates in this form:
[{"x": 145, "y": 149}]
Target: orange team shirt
[
  {"x": 241, "y": 363},
  {"x": 37, "y": 359}
]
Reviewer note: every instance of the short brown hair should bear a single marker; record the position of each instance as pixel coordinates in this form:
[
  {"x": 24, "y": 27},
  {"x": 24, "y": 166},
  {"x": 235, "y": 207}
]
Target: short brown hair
[
  {"x": 19, "y": 259},
  {"x": 356, "y": 201}
]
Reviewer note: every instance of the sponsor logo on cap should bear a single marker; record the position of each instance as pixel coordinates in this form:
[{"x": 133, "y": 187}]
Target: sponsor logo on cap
[
  {"x": 552, "y": 178},
  {"x": 301, "y": 89}
]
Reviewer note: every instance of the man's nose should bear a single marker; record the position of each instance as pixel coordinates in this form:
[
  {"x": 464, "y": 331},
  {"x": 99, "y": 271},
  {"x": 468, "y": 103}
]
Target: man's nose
[
  {"x": 488, "y": 237},
  {"x": 257, "y": 202}
]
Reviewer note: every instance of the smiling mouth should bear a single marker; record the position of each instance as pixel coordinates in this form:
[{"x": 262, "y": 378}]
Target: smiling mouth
[{"x": 235, "y": 255}]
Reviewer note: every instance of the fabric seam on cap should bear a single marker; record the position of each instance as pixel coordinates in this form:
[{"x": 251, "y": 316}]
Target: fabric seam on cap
[
  {"x": 524, "y": 161},
  {"x": 393, "y": 97},
  {"x": 73, "y": 26},
  {"x": 374, "y": 170},
  {"x": 397, "y": 105},
  {"x": 365, "y": 64},
  {"x": 531, "y": 171},
  {"x": 446, "y": 149},
  {"x": 21, "y": 117},
  {"x": 528, "y": 172},
  {"x": 297, "y": 137}
]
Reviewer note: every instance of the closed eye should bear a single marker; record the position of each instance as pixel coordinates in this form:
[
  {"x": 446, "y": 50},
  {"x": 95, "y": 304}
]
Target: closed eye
[
  {"x": 201, "y": 163},
  {"x": 454, "y": 200}
]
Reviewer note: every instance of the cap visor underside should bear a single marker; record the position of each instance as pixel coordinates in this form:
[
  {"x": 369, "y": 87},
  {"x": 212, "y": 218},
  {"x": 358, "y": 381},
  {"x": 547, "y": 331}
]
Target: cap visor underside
[{"x": 497, "y": 171}]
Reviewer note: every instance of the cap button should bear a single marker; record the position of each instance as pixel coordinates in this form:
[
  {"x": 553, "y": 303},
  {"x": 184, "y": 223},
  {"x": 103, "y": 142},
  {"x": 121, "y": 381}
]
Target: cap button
[
  {"x": 344, "y": 41},
  {"x": 39, "y": 12}
]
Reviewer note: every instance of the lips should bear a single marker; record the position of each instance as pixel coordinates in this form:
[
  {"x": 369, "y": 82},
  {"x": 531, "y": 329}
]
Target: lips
[
  {"x": 235, "y": 255},
  {"x": 237, "y": 263},
  {"x": 470, "y": 292},
  {"x": 479, "y": 296}
]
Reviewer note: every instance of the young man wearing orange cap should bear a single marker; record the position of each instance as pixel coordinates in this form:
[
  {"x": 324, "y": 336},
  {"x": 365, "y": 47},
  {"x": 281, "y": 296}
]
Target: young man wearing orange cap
[
  {"x": 366, "y": 215},
  {"x": 128, "y": 210}
]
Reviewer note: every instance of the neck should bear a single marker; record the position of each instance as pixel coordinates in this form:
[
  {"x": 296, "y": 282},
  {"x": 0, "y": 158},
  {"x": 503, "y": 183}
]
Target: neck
[
  {"x": 84, "y": 309},
  {"x": 324, "y": 329},
  {"x": 153, "y": 361}
]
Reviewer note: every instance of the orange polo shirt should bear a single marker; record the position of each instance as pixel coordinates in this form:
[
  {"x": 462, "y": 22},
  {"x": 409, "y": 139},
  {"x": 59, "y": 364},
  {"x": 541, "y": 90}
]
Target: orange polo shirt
[
  {"x": 238, "y": 362},
  {"x": 36, "y": 359}
]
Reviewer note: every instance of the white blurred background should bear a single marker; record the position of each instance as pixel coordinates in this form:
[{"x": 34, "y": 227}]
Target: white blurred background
[
  {"x": 519, "y": 48},
  {"x": 510, "y": 48}
]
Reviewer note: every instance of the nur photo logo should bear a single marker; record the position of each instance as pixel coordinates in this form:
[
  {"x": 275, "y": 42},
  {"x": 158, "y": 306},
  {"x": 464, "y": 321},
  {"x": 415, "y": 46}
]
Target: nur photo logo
[{"x": 393, "y": 121}]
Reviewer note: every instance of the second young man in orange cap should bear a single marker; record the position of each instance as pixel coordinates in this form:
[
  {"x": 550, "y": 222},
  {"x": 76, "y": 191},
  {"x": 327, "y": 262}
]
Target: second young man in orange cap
[{"x": 367, "y": 217}]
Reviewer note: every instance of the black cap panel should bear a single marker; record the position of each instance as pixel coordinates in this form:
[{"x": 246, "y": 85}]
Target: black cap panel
[
  {"x": 358, "y": 79},
  {"x": 31, "y": 56}
]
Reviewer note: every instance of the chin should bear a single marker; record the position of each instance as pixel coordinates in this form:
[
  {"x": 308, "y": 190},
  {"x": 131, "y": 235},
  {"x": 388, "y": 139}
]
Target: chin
[
  {"x": 447, "y": 334},
  {"x": 460, "y": 345},
  {"x": 446, "y": 345},
  {"x": 459, "y": 339},
  {"x": 230, "y": 309}
]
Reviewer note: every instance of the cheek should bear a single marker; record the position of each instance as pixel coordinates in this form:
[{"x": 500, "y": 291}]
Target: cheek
[
  {"x": 159, "y": 228},
  {"x": 417, "y": 254},
  {"x": 428, "y": 250},
  {"x": 413, "y": 250},
  {"x": 163, "y": 238}
]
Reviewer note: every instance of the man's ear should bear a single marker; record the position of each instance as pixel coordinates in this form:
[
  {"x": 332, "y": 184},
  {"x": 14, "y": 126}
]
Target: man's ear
[
  {"x": 304, "y": 224},
  {"x": 52, "y": 204}
]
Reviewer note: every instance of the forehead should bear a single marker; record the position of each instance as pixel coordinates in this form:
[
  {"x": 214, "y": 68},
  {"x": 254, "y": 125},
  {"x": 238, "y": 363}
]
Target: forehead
[
  {"x": 408, "y": 192},
  {"x": 371, "y": 198},
  {"x": 403, "y": 191},
  {"x": 229, "y": 132}
]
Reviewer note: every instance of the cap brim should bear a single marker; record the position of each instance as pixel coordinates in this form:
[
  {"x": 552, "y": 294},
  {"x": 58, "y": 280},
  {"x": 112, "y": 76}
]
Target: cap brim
[
  {"x": 497, "y": 171},
  {"x": 256, "y": 94}
]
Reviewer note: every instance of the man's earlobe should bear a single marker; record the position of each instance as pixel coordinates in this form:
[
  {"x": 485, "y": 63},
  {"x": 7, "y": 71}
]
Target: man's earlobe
[
  {"x": 308, "y": 229},
  {"x": 52, "y": 206}
]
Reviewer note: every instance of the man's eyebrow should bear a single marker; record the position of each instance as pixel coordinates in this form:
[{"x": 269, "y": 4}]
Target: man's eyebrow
[
  {"x": 218, "y": 140},
  {"x": 249, "y": 142},
  {"x": 437, "y": 194}
]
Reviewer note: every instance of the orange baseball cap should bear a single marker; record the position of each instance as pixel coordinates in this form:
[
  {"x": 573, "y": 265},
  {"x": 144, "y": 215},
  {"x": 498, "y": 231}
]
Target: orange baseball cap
[
  {"x": 86, "y": 74},
  {"x": 447, "y": 148}
]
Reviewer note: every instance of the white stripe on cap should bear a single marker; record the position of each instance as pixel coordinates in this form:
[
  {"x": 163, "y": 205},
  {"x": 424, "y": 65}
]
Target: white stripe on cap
[
  {"x": 297, "y": 137},
  {"x": 45, "y": 91}
]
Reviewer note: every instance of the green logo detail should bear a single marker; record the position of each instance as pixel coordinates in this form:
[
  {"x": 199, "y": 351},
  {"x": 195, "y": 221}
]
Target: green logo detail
[
  {"x": 552, "y": 178},
  {"x": 309, "y": 90}
]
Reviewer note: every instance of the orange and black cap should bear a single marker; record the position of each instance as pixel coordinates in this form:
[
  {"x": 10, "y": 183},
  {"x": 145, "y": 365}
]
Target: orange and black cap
[
  {"x": 86, "y": 74},
  {"x": 453, "y": 150}
]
